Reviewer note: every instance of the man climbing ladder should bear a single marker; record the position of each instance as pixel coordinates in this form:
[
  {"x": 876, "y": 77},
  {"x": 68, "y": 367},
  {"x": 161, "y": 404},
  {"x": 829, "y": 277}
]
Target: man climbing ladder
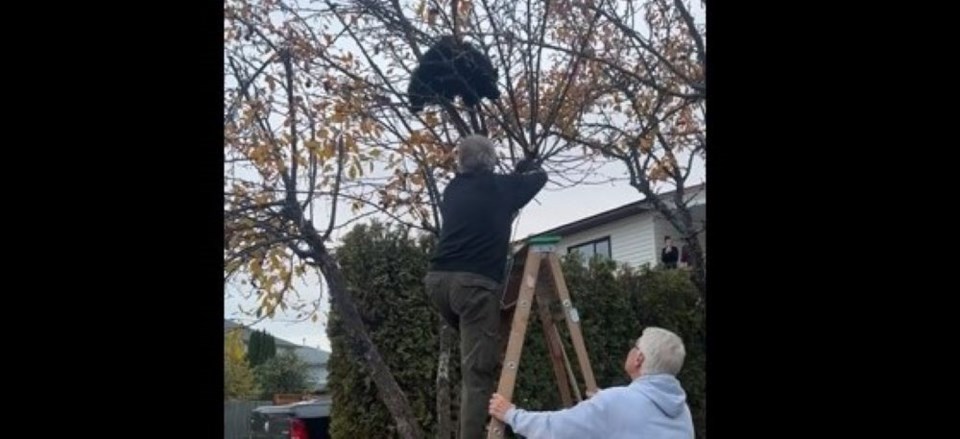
[{"x": 467, "y": 268}]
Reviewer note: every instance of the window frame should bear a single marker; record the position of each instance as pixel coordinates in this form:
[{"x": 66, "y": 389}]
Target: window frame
[{"x": 593, "y": 242}]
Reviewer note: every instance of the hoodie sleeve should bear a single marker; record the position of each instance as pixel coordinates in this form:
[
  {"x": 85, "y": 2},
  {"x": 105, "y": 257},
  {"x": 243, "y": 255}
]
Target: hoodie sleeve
[
  {"x": 586, "y": 419},
  {"x": 523, "y": 186}
]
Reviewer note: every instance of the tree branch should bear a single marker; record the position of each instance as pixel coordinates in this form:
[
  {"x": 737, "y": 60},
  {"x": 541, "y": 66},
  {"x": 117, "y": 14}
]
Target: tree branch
[
  {"x": 336, "y": 188},
  {"x": 287, "y": 56},
  {"x": 692, "y": 30}
]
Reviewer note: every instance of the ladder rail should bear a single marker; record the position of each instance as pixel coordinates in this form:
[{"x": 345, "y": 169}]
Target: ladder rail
[
  {"x": 531, "y": 289},
  {"x": 572, "y": 317}
]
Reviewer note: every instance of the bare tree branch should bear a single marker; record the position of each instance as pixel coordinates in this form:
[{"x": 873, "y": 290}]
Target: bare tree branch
[{"x": 336, "y": 188}]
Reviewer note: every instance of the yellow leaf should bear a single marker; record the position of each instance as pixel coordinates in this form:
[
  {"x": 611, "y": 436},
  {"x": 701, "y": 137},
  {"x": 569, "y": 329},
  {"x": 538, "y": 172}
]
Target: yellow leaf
[
  {"x": 431, "y": 118},
  {"x": 366, "y": 126},
  {"x": 414, "y": 138},
  {"x": 339, "y": 112},
  {"x": 646, "y": 143},
  {"x": 314, "y": 146},
  {"x": 328, "y": 151},
  {"x": 234, "y": 347}
]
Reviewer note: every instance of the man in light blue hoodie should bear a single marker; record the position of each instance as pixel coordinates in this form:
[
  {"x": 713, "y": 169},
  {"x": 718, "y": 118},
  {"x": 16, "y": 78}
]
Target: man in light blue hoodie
[{"x": 653, "y": 406}]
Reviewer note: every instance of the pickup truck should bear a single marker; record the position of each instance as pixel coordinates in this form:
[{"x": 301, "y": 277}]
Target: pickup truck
[{"x": 300, "y": 420}]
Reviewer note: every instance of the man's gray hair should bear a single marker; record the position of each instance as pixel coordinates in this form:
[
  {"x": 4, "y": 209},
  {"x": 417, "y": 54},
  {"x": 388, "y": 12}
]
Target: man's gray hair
[
  {"x": 476, "y": 153},
  {"x": 663, "y": 351}
]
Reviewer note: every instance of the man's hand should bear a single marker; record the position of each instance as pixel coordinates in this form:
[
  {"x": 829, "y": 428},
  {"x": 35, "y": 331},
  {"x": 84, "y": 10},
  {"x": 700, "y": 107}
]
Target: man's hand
[
  {"x": 499, "y": 407},
  {"x": 526, "y": 165}
]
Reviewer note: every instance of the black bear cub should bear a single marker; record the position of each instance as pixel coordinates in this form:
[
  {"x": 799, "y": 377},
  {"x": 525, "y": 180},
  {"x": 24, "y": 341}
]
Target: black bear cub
[{"x": 449, "y": 69}]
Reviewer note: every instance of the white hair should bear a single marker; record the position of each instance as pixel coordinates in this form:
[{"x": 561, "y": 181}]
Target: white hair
[
  {"x": 476, "y": 153},
  {"x": 663, "y": 351}
]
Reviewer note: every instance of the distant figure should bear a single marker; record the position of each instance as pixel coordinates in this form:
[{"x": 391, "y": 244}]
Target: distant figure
[
  {"x": 670, "y": 254},
  {"x": 684, "y": 256}
]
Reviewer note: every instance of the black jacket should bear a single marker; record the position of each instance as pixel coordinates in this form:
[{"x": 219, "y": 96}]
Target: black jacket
[{"x": 477, "y": 211}]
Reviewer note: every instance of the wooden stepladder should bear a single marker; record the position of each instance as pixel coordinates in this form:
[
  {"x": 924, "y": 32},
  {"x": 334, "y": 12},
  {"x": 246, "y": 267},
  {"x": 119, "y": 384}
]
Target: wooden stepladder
[{"x": 540, "y": 278}]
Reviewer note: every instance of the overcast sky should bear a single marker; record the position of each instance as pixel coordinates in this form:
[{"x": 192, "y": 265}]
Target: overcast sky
[{"x": 551, "y": 208}]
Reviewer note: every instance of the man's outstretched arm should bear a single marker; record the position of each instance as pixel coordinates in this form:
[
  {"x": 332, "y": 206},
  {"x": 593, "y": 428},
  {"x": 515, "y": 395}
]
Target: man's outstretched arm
[
  {"x": 585, "y": 419},
  {"x": 526, "y": 182}
]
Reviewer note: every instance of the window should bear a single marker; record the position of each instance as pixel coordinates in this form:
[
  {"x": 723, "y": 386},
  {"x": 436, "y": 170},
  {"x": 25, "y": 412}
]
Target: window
[{"x": 588, "y": 250}]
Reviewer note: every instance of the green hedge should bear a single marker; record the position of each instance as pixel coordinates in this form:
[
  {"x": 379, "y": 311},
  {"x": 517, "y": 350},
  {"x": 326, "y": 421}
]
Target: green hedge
[{"x": 385, "y": 267}]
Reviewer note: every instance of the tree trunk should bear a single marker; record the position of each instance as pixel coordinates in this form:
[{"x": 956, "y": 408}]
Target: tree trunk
[
  {"x": 364, "y": 350},
  {"x": 691, "y": 236},
  {"x": 444, "y": 421},
  {"x": 697, "y": 263}
]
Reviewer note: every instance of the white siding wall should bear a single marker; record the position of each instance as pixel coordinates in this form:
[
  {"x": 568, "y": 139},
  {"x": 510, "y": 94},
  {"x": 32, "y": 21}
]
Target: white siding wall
[
  {"x": 631, "y": 239},
  {"x": 318, "y": 374},
  {"x": 637, "y": 240}
]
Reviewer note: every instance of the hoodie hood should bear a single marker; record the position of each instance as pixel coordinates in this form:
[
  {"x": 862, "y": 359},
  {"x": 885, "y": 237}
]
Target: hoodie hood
[{"x": 665, "y": 392}]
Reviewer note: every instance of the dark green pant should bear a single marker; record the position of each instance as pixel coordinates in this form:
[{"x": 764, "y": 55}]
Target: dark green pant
[{"x": 471, "y": 303}]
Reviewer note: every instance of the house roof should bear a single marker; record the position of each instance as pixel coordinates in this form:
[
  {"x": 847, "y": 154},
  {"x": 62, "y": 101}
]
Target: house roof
[
  {"x": 309, "y": 355},
  {"x": 312, "y": 355},
  {"x": 280, "y": 343},
  {"x": 611, "y": 215}
]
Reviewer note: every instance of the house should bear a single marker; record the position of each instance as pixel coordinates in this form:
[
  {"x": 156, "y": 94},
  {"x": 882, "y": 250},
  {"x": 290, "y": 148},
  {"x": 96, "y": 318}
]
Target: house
[
  {"x": 315, "y": 359},
  {"x": 633, "y": 233}
]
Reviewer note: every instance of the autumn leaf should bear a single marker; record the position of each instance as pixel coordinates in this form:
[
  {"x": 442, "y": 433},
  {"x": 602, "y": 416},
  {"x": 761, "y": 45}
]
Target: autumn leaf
[
  {"x": 351, "y": 142},
  {"x": 255, "y": 269},
  {"x": 431, "y": 119},
  {"x": 646, "y": 143},
  {"x": 366, "y": 126},
  {"x": 314, "y": 146}
]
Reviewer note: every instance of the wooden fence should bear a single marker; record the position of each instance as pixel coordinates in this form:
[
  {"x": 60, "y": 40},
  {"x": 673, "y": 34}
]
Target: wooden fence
[{"x": 236, "y": 418}]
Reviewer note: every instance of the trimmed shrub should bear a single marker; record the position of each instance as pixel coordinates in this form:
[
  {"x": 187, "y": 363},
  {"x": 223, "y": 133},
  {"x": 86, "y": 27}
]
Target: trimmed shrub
[{"x": 384, "y": 268}]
